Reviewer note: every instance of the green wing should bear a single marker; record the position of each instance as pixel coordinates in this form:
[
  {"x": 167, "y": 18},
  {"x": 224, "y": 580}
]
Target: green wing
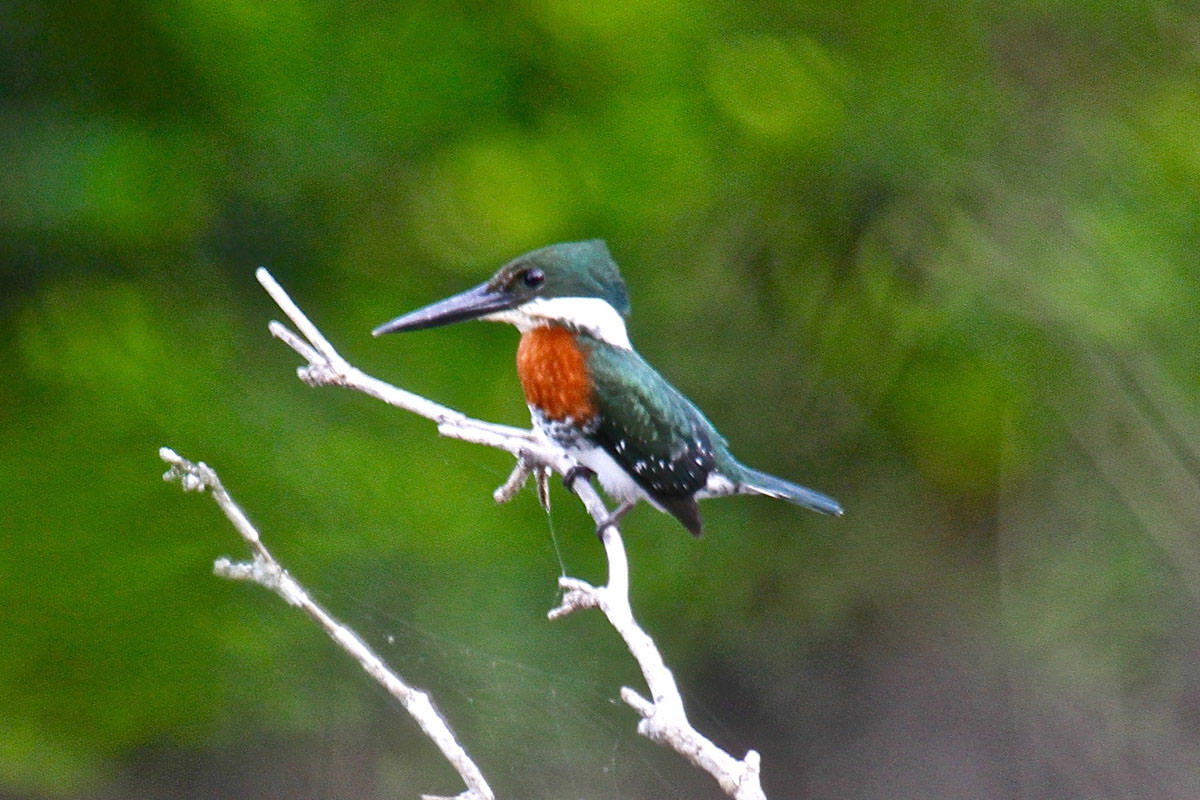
[
  {"x": 655, "y": 433},
  {"x": 660, "y": 438}
]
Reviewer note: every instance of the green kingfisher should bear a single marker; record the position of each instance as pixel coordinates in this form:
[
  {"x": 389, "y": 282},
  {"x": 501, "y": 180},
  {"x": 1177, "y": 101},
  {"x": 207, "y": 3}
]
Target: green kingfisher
[{"x": 590, "y": 393}]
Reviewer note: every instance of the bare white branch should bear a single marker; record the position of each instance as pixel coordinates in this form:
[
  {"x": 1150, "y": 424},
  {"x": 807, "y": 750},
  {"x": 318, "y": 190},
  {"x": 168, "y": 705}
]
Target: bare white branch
[
  {"x": 270, "y": 574},
  {"x": 663, "y": 717}
]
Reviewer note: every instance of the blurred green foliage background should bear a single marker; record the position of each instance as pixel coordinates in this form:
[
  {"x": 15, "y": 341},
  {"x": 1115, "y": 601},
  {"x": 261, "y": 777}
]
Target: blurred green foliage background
[{"x": 938, "y": 259}]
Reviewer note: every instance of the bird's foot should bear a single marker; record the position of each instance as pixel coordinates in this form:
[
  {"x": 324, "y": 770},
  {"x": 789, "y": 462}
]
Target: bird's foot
[
  {"x": 614, "y": 517},
  {"x": 575, "y": 473}
]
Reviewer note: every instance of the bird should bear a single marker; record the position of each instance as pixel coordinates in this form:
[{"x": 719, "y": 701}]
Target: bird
[{"x": 590, "y": 393}]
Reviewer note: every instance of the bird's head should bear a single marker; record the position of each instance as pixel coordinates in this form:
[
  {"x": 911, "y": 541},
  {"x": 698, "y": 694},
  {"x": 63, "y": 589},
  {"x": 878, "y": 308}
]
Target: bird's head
[{"x": 574, "y": 284}]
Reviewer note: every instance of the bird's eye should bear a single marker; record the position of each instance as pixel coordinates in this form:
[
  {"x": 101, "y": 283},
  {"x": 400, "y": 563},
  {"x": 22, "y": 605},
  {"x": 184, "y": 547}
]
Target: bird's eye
[{"x": 533, "y": 278}]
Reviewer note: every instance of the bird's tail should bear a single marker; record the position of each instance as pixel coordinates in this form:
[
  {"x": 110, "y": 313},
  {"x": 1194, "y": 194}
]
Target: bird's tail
[{"x": 755, "y": 482}]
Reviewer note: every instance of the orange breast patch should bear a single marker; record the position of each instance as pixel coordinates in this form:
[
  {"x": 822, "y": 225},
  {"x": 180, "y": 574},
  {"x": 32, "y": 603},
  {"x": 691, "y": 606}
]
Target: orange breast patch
[{"x": 554, "y": 375}]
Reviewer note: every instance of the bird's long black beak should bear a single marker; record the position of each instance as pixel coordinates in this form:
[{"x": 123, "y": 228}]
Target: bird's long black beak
[{"x": 471, "y": 304}]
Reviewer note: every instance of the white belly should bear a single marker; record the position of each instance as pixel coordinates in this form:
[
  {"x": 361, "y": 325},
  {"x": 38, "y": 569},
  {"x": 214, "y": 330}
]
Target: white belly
[{"x": 614, "y": 480}]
